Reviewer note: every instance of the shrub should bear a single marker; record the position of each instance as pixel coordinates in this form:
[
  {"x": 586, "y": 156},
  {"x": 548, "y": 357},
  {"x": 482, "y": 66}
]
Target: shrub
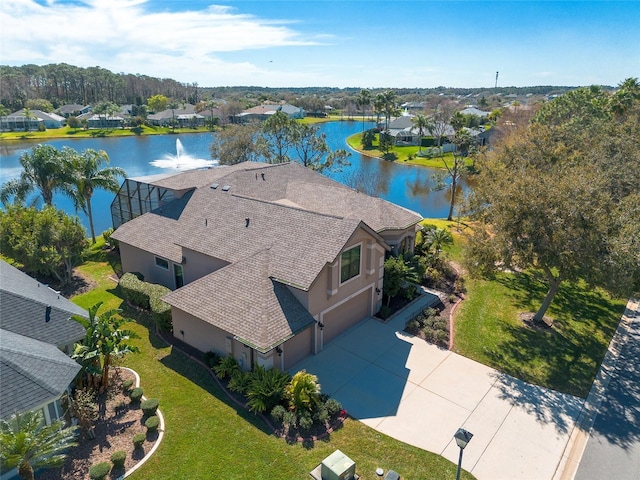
[
  {"x": 305, "y": 421},
  {"x": 211, "y": 358},
  {"x": 118, "y": 458},
  {"x": 239, "y": 382},
  {"x": 152, "y": 423},
  {"x": 384, "y": 312},
  {"x": 413, "y": 324},
  {"x": 277, "y": 413},
  {"x": 225, "y": 367},
  {"x": 138, "y": 440},
  {"x": 99, "y": 471},
  {"x": 161, "y": 310},
  {"x": 321, "y": 415},
  {"x": 112, "y": 242},
  {"x": 140, "y": 294},
  {"x": 127, "y": 384},
  {"x": 149, "y": 406},
  {"x": 333, "y": 406},
  {"x": 290, "y": 420},
  {"x": 266, "y": 388},
  {"x": 136, "y": 395}
]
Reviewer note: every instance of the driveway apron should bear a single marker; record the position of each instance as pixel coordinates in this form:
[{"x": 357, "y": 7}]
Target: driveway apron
[{"x": 417, "y": 393}]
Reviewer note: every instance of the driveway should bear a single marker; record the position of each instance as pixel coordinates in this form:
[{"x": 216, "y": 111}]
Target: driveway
[{"x": 420, "y": 394}]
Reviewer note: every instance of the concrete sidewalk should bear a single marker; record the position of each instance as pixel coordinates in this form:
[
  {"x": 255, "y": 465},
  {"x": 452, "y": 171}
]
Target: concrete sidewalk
[{"x": 420, "y": 394}]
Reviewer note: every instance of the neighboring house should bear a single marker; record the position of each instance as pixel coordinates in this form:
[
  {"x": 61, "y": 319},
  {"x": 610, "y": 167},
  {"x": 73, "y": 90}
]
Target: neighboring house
[
  {"x": 95, "y": 120},
  {"x": 184, "y": 117},
  {"x": 73, "y": 110},
  {"x": 268, "y": 262},
  {"x": 18, "y": 121},
  {"x": 37, "y": 334},
  {"x": 475, "y": 111},
  {"x": 262, "y": 112}
]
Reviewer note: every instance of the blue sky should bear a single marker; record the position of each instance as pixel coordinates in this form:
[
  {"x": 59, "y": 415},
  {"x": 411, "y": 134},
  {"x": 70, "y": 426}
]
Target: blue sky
[{"x": 365, "y": 44}]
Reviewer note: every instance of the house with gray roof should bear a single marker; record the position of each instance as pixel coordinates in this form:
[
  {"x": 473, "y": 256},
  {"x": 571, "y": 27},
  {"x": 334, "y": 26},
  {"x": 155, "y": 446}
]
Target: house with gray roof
[
  {"x": 35, "y": 120},
  {"x": 262, "y": 112},
  {"x": 184, "y": 116},
  {"x": 36, "y": 335},
  {"x": 267, "y": 262}
]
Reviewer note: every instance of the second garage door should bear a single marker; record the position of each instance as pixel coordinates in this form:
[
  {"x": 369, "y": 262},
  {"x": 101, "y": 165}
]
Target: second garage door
[{"x": 346, "y": 315}]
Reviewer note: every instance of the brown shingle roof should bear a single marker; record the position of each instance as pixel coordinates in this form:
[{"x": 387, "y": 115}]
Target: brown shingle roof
[{"x": 257, "y": 310}]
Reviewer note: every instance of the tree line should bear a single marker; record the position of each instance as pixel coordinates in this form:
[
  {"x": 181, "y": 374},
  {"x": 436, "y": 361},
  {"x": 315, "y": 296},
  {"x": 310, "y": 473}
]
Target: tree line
[{"x": 62, "y": 84}]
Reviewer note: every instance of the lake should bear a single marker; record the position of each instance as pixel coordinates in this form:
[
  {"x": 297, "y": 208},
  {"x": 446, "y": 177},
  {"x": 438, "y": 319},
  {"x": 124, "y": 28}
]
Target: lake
[{"x": 406, "y": 185}]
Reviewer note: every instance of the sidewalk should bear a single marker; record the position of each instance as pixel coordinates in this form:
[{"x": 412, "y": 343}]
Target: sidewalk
[{"x": 580, "y": 435}]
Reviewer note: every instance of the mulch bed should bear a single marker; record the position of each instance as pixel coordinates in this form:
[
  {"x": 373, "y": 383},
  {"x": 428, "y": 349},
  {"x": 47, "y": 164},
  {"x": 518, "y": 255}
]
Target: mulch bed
[{"x": 113, "y": 432}]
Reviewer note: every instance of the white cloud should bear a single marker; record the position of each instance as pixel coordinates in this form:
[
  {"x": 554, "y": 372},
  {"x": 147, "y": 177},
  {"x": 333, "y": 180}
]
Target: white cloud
[{"x": 122, "y": 35}]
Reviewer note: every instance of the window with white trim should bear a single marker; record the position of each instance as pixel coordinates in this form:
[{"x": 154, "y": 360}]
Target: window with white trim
[
  {"x": 350, "y": 264},
  {"x": 162, "y": 263}
]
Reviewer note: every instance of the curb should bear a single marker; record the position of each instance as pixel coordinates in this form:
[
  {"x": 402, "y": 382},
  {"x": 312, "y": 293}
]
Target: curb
[
  {"x": 568, "y": 465},
  {"x": 156, "y": 444}
]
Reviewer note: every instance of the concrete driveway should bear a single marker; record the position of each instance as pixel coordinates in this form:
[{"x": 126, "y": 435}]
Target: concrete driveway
[{"x": 421, "y": 395}]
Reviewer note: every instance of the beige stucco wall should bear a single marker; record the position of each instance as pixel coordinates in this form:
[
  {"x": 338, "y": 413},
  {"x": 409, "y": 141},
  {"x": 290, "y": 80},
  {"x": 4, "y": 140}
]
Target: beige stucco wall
[
  {"x": 394, "y": 238},
  {"x": 327, "y": 291},
  {"x": 137, "y": 260},
  {"x": 197, "y": 265}
]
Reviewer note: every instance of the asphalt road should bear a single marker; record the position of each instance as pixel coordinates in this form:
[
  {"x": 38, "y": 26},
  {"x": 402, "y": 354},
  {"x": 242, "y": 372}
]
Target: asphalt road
[{"x": 613, "y": 448}]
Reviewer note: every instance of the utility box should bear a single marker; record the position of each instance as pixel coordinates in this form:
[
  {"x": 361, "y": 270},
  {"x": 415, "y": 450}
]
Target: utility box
[{"x": 338, "y": 466}]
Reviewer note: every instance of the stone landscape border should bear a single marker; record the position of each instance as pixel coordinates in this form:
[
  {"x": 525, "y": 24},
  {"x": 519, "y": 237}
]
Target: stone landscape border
[{"x": 156, "y": 444}]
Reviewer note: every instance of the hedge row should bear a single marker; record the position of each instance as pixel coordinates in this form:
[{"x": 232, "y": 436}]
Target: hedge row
[{"x": 149, "y": 297}]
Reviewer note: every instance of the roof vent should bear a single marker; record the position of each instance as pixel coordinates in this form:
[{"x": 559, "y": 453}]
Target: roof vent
[
  {"x": 215, "y": 185},
  {"x": 47, "y": 314},
  {"x": 262, "y": 176},
  {"x": 226, "y": 188},
  {"x": 247, "y": 220}
]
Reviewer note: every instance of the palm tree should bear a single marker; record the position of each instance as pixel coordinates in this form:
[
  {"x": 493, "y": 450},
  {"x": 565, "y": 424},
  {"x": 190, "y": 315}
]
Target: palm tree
[
  {"x": 27, "y": 443},
  {"x": 363, "y": 100},
  {"x": 43, "y": 170},
  {"x": 84, "y": 173},
  {"x": 104, "y": 340},
  {"x": 173, "y": 104},
  {"x": 389, "y": 106},
  {"x": 422, "y": 123},
  {"x": 437, "y": 238}
]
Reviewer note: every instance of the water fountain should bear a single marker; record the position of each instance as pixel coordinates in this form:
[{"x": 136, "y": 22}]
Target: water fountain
[{"x": 182, "y": 160}]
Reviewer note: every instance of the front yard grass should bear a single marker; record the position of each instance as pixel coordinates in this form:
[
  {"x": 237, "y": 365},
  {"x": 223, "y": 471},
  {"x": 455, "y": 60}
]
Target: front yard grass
[
  {"x": 207, "y": 436},
  {"x": 406, "y": 154},
  {"x": 565, "y": 357}
]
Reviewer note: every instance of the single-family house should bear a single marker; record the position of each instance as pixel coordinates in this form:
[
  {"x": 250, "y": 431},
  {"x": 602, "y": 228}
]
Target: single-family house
[
  {"x": 267, "y": 263},
  {"x": 472, "y": 110},
  {"x": 37, "y": 334},
  {"x": 185, "y": 116},
  {"x": 261, "y": 112},
  {"x": 35, "y": 120},
  {"x": 95, "y": 120},
  {"x": 73, "y": 110}
]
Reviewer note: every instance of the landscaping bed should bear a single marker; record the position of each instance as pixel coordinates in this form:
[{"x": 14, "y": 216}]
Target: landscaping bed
[{"x": 114, "y": 431}]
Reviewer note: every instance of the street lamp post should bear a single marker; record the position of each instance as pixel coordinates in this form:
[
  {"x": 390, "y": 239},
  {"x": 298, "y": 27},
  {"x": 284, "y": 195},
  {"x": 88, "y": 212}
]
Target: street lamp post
[{"x": 462, "y": 438}]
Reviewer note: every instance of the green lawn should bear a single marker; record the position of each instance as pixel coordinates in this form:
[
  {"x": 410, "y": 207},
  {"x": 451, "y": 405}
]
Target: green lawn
[
  {"x": 67, "y": 132},
  {"x": 207, "y": 436},
  {"x": 487, "y": 328},
  {"x": 404, "y": 154},
  {"x": 565, "y": 357}
]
